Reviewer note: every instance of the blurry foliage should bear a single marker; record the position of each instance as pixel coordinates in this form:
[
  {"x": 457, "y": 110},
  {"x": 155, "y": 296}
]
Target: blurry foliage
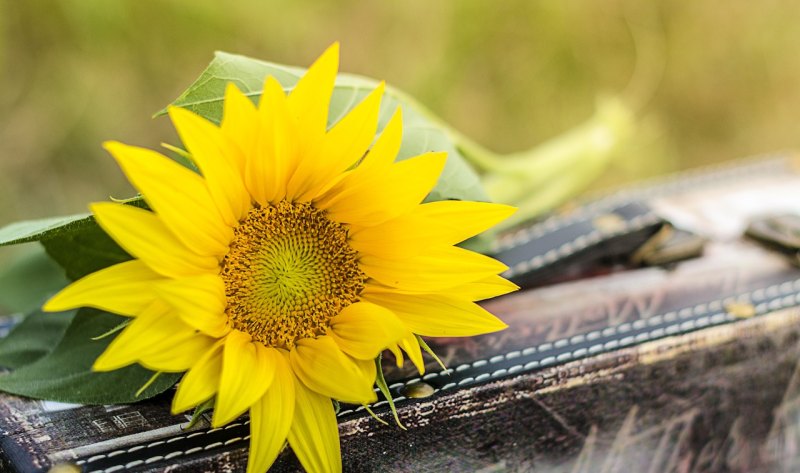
[{"x": 508, "y": 74}]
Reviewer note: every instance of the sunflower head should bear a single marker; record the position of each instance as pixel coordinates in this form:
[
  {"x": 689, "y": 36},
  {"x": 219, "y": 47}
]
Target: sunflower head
[
  {"x": 290, "y": 270},
  {"x": 276, "y": 274}
]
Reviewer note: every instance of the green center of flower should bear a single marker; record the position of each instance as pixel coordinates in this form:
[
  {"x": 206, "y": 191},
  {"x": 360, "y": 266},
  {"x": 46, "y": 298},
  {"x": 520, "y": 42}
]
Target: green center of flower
[{"x": 289, "y": 271}]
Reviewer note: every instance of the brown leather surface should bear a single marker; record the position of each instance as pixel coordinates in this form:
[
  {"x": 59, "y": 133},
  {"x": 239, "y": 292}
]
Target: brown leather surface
[
  {"x": 718, "y": 400},
  {"x": 722, "y": 399}
]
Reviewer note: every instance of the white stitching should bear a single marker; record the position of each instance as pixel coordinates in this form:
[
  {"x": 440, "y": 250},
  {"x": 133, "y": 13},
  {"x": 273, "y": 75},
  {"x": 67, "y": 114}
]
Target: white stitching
[
  {"x": 571, "y": 247},
  {"x": 594, "y": 335},
  {"x": 695, "y": 311},
  {"x": 173, "y": 439},
  {"x": 647, "y": 189},
  {"x": 172, "y": 455},
  {"x": 564, "y": 356}
]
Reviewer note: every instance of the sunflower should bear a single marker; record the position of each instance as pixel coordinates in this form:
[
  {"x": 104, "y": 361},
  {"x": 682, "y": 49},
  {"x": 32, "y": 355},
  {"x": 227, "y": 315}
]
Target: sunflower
[{"x": 276, "y": 274}]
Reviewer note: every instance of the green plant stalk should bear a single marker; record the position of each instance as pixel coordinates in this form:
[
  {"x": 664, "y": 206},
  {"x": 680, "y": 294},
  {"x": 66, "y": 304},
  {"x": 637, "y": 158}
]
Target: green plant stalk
[
  {"x": 541, "y": 178},
  {"x": 594, "y": 140},
  {"x": 556, "y": 192}
]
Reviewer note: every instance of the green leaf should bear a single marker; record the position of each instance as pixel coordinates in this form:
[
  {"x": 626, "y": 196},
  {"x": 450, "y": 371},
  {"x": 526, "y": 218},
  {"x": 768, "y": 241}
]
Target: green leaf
[
  {"x": 33, "y": 338},
  {"x": 48, "y": 228},
  {"x": 35, "y": 230},
  {"x": 76, "y": 243},
  {"x": 84, "y": 250},
  {"x": 65, "y": 374},
  {"x": 147, "y": 383},
  {"x": 421, "y": 132},
  {"x": 28, "y": 279}
]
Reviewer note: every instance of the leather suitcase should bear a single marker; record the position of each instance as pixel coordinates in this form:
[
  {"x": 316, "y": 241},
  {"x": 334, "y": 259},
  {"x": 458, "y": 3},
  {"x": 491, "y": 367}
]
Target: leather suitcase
[{"x": 651, "y": 334}]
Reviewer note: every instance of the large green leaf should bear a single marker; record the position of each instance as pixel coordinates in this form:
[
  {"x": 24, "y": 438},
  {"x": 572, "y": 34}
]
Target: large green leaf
[
  {"x": 76, "y": 243},
  {"x": 84, "y": 250},
  {"x": 34, "y": 337},
  {"x": 28, "y": 279},
  {"x": 35, "y": 230},
  {"x": 421, "y": 132},
  {"x": 65, "y": 374}
]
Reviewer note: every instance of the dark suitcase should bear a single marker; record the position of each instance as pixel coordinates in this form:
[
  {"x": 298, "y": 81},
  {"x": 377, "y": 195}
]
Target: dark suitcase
[{"x": 634, "y": 346}]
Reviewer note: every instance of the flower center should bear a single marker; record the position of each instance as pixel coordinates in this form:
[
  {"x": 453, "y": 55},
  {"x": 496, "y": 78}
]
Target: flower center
[{"x": 289, "y": 271}]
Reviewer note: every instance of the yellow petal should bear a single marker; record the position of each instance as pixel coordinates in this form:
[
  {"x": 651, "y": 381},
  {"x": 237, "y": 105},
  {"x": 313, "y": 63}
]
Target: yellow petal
[
  {"x": 144, "y": 235},
  {"x": 398, "y": 355},
  {"x": 323, "y": 367},
  {"x": 179, "y": 196},
  {"x": 377, "y": 161},
  {"x": 341, "y": 148},
  {"x": 240, "y": 123},
  {"x": 178, "y": 354},
  {"x": 368, "y": 371},
  {"x": 410, "y": 345},
  {"x": 248, "y": 369},
  {"x": 201, "y": 382},
  {"x": 433, "y": 271},
  {"x": 395, "y": 192},
  {"x": 487, "y": 288},
  {"x": 314, "y": 435},
  {"x": 125, "y": 289},
  {"x": 362, "y": 330},
  {"x": 384, "y": 151},
  {"x": 434, "y": 223},
  {"x": 492, "y": 286},
  {"x": 311, "y": 97},
  {"x": 269, "y": 166},
  {"x": 199, "y": 301},
  {"x": 153, "y": 330},
  {"x": 271, "y": 417},
  {"x": 217, "y": 159},
  {"x": 436, "y": 315}
]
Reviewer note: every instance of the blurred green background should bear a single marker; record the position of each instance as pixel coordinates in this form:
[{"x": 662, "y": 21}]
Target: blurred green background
[{"x": 711, "y": 80}]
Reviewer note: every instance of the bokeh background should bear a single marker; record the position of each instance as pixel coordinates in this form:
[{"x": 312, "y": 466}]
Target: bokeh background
[{"x": 710, "y": 80}]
